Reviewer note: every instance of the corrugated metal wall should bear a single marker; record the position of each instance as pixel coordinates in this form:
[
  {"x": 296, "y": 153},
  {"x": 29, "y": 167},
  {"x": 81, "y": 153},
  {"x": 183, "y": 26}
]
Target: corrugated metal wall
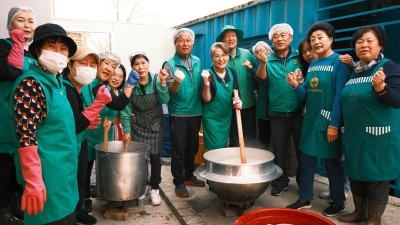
[{"x": 255, "y": 21}]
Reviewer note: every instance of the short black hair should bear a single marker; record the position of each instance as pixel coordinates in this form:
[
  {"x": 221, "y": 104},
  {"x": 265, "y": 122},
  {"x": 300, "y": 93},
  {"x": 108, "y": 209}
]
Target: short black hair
[
  {"x": 138, "y": 56},
  {"x": 378, "y": 32},
  {"x": 324, "y": 26}
]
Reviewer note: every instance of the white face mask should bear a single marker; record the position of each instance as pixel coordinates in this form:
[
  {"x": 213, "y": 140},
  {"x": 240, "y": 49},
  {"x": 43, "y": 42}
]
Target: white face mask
[
  {"x": 54, "y": 62},
  {"x": 85, "y": 75}
]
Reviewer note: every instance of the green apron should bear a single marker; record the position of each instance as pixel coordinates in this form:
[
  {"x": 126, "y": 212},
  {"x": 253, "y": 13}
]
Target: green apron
[
  {"x": 371, "y": 138},
  {"x": 8, "y": 139},
  {"x": 57, "y": 150},
  {"x": 320, "y": 96},
  {"x": 96, "y": 136},
  {"x": 217, "y": 114},
  {"x": 81, "y": 135}
]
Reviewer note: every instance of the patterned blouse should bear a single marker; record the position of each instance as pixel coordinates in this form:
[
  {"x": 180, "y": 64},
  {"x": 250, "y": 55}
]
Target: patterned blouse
[{"x": 30, "y": 109}]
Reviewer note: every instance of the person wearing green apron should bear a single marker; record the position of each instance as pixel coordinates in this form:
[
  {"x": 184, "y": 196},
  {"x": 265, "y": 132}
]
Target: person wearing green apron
[
  {"x": 371, "y": 141},
  {"x": 109, "y": 61},
  {"x": 81, "y": 71},
  {"x": 45, "y": 130},
  {"x": 264, "y": 126},
  {"x": 326, "y": 77},
  {"x": 219, "y": 81},
  {"x": 142, "y": 119},
  {"x": 14, "y": 59},
  {"x": 243, "y": 62}
]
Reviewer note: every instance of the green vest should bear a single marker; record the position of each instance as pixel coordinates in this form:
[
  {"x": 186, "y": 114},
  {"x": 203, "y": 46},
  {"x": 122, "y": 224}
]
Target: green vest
[
  {"x": 96, "y": 136},
  {"x": 320, "y": 96},
  {"x": 187, "y": 101},
  {"x": 217, "y": 114},
  {"x": 80, "y": 136},
  {"x": 280, "y": 94},
  {"x": 371, "y": 139},
  {"x": 57, "y": 150},
  {"x": 243, "y": 75},
  {"x": 8, "y": 139}
]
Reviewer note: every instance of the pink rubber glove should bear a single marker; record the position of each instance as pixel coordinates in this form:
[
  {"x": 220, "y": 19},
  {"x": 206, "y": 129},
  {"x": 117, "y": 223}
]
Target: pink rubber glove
[
  {"x": 103, "y": 97},
  {"x": 16, "y": 56},
  {"x": 34, "y": 195},
  {"x": 93, "y": 124}
]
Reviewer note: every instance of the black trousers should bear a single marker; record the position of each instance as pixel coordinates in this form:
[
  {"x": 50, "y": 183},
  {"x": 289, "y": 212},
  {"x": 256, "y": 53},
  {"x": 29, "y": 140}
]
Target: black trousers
[
  {"x": 248, "y": 126},
  {"x": 185, "y": 143},
  {"x": 8, "y": 179},
  {"x": 155, "y": 174},
  {"x": 264, "y": 132},
  {"x": 282, "y": 128},
  {"x": 82, "y": 172},
  {"x": 88, "y": 174}
]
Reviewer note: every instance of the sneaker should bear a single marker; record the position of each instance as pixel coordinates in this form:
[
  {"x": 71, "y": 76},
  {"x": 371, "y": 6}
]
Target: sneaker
[
  {"x": 195, "y": 182},
  {"x": 334, "y": 209},
  {"x": 300, "y": 205},
  {"x": 155, "y": 197},
  {"x": 279, "y": 189},
  {"x": 84, "y": 218},
  {"x": 87, "y": 205},
  {"x": 327, "y": 195},
  {"x": 181, "y": 191}
]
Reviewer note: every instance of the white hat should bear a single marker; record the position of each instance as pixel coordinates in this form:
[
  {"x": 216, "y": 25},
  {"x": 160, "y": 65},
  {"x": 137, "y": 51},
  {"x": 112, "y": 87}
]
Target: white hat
[
  {"x": 280, "y": 27},
  {"x": 110, "y": 55},
  {"x": 15, "y": 10},
  {"x": 264, "y": 44},
  {"x": 181, "y": 31},
  {"x": 135, "y": 53}
]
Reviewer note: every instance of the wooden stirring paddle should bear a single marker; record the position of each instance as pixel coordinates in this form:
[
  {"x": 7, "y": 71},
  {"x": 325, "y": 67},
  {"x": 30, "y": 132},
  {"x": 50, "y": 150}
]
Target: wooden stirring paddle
[{"x": 240, "y": 131}]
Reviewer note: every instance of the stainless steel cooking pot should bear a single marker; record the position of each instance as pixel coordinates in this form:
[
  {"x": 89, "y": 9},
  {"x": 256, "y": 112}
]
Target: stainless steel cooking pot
[
  {"x": 233, "y": 181},
  {"x": 121, "y": 174}
]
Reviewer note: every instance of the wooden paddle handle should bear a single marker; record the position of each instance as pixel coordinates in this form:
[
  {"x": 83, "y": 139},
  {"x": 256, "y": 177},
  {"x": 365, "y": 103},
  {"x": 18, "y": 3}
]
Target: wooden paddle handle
[
  {"x": 105, "y": 135},
  {"x": 240, "y": 131}
]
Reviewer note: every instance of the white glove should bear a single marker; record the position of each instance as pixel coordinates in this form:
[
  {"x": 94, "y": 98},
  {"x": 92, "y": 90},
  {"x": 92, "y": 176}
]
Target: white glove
[
  {"x": 206, "y": 76},
  {"x": 179, "y": 75},
  {"x": 237, "y": 104}
]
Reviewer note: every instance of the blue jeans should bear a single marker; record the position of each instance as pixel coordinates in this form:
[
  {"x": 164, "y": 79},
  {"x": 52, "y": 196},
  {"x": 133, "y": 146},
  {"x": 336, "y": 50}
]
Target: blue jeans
[{"x": 334, "y": 171}]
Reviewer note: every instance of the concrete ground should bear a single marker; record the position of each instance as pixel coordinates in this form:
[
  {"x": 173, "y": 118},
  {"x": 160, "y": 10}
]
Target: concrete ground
[{"x": 204, "y": 207}]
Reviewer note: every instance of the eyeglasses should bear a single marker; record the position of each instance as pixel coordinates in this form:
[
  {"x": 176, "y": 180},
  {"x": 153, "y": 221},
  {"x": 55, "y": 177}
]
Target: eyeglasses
[{"x": 116, "y": 76}]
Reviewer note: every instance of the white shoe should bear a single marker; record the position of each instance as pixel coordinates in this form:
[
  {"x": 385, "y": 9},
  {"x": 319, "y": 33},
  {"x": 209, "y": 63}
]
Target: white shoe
[{"x": 155, "y": 197}]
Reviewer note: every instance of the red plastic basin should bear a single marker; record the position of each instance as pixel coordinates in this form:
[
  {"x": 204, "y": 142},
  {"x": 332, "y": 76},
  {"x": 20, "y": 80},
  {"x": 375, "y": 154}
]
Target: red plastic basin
[{"x": 281, "y": 216}]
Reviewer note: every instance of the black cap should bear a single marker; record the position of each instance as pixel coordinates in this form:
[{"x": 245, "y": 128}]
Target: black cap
[{"x": 48, "y": 30}]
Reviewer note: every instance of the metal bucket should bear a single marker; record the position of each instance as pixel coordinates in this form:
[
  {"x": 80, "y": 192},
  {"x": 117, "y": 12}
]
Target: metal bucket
[
  {"x": 121, "y": 174},
  {"x": 233, "y": 181}
]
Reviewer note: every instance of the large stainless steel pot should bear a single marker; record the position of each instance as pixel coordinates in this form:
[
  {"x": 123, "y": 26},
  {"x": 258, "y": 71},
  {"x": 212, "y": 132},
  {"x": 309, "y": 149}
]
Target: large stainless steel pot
[
  {"x": 233, "y": 181},
  {"x": 121, "y": 174}
]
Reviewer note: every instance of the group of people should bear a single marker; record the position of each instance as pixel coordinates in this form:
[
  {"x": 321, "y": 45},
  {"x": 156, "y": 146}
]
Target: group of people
[{"x": 57, "y": 98}]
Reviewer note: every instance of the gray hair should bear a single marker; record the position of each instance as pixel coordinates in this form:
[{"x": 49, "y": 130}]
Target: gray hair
[
  {"x": 15, "y": 10},
  {"x": 180, "y": 31}
]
